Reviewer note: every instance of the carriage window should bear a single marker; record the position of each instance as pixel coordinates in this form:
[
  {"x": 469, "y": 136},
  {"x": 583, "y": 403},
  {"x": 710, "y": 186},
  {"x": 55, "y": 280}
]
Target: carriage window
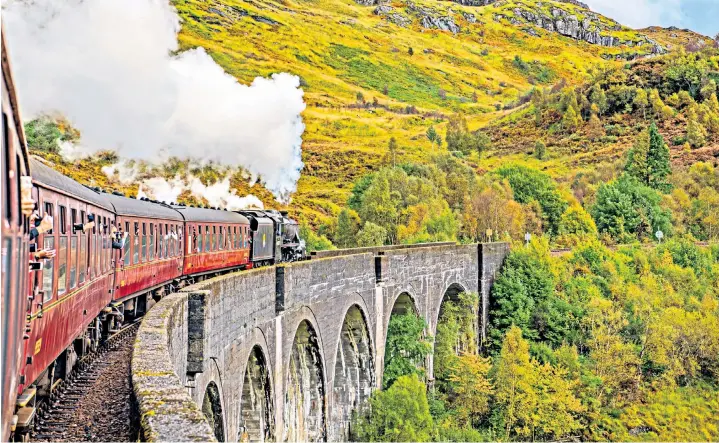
[
  {"x": 82, "y": 258},
  {"x": 20, "y": 217},
  {"x": 198, "y": 239},
  {"x": 136, "y": 244},
  {"x": 6, "y": 169},
  {"x": 222, "y": 237},
  {"x": 49, "y": 210},
  {"x": 62, "y": 266},
  {"x": 143, "y": 248},
  {"x": 166, "y": 239},
  {"x": 207, "y": 238},
  {"x": 214, "y": 238},
  {"x": 191, "y": 240},
  {"x": 73, "y": 261},
  {"x": 63, "y": 220},
  {"x": 7, "y": 262},
  {"x": 48, "y": 268},
  {"x": 160, "y": 243},
  {"x": 99, "y": 253},
  {"x": 73, "y": 219},
  {"x": 151, "y": 243},
  {"x": 179, "y": 232},
  {"x": 126, "y": 245}
]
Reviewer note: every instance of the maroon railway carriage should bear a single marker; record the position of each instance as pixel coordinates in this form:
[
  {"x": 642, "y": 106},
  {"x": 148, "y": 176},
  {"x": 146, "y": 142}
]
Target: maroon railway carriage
[
  {"x": 216, "y": 241},
  {"x": 72, "y": 289},
  {"x": 15, "y": 243},
  {"x": 151, "y": 259}
]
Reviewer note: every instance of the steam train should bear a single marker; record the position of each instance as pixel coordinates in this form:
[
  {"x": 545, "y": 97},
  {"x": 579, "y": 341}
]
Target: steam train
[{"x": 115, "y": 257}]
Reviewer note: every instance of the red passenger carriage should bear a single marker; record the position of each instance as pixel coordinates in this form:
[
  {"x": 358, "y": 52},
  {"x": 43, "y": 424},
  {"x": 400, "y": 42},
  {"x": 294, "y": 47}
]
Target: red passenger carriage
[
  {"x": 15, "y": 245},
  {"x": 72, "y": 288},
  {"x": 215, "y": 240},
  {"x": 152, "y": 254}
]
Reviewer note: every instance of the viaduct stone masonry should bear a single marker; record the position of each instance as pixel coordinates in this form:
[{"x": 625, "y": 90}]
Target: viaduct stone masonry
[{"x": 286, "y": 353}]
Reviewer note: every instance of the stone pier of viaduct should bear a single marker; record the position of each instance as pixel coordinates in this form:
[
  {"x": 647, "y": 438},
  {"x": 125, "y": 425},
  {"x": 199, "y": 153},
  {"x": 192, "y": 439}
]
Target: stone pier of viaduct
[{"x": 287, "y": 353}]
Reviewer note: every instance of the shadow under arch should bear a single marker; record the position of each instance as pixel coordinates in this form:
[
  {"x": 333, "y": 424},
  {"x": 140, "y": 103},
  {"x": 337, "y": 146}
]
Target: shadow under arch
[
  {"x": 456, "y": 332},
  {"x": 354, "y": 377},
  {"x": 256, "y": 422},
  {"x": 450, "y": 294},
  {"x": 304, "y": 411},
  {"x": 212, "y": 409},
  {"x": 404, "y": 304},
  {"x": 396, "y": 349}
]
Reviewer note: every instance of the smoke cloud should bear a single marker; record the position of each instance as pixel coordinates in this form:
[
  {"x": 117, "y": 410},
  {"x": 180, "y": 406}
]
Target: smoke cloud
[
  {"x": 217, "y": 194},
  {"x": 111, "y": 68}
]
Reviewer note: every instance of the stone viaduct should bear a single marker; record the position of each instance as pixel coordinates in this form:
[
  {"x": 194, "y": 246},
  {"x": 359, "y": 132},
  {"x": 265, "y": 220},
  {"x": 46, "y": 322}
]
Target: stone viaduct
[{"x": 286, "y": 353}]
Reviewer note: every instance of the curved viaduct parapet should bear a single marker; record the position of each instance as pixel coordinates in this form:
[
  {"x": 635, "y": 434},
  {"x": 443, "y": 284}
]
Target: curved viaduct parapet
[{"x": 237, "y": 334}]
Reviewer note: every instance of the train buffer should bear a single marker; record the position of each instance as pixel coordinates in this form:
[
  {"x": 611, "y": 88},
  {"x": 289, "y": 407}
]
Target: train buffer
[
  {"x": 26, "y": 396},
  {"x": 24, "y": 418}
]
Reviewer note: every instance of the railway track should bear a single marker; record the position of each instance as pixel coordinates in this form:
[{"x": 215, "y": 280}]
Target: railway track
[{"x": 95, "y": 402}]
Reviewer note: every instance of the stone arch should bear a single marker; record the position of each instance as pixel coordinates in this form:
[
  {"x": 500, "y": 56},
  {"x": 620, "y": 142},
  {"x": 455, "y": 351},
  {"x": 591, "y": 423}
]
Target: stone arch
[
  {"x": 304, "y": 410},
  {"x": 212, "y": 409},
  {"x": 450, "y": 293},
  {"x": 404, "y": 303},
  {"x": 256, "y": 421},
  {"x": 452, "y": 344},
  {"x": 354, "y": 376}
]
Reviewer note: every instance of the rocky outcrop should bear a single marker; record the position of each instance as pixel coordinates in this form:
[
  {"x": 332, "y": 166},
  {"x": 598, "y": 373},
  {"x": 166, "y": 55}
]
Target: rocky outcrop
[
  {"x": 392, "y": 16},
  {"x": 589, "y": 28},
  {"x": 433, "y": 19},
  {"x": 489, "y": 2}
]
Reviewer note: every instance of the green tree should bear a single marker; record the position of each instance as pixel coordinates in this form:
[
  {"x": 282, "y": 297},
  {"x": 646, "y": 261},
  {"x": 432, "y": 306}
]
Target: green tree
[
  {"x": 348, "y": 223},
  {"x": 406, "y": 348},
  {"x": 523, "y": 296},
  {"x": 533, "y": 401},
  {"x": 641, "y": 101},
  {"x": 540, "y": 150},
  {"x": 648, "y": 161},
  {"x": 599, "y": 98},
  {"x": 378, "y": 206},
  {"x": 658, "y": 162},
  {"x": 570, "y": 120},
  {"x": 696, "y": 133},
  {"x": 637, "y": 165},
  {"x": 513, "y": 380},
  {"x": 531, "y": 185},
  {"x": 398, "y": 414},
  {"x": 371, "y": 235},
  {"x": 626, "y": 208},
  {"x": 432, "y": 134},
  {"x": 314, "y": 242},
  {"x": 576, "y": 221},
  {"x": 360, "y": 187}
]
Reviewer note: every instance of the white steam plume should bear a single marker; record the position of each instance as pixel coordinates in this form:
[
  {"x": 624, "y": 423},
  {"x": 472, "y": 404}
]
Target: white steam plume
[
  {"x": 107, "y": 66},
  {"x": 218, "y": 194}
]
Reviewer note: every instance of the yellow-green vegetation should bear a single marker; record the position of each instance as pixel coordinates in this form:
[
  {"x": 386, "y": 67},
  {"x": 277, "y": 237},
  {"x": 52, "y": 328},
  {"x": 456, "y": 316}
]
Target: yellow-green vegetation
[
  {"x": 367, "y": 79},
  {"x": 596, "y": 345}
]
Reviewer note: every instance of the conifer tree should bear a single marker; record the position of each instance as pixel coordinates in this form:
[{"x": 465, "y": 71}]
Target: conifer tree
[
  {"x": 540, "y": 149},
  {"x": 658, "y": 163},
  {"x": 636, "y": 165},
  {"x": 432, "y": 134}
]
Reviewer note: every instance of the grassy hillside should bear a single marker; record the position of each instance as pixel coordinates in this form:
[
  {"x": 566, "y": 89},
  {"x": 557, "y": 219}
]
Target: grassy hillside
[
  {"x": 387, "y": 70},
  {"x": 341, "y": 49}
]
